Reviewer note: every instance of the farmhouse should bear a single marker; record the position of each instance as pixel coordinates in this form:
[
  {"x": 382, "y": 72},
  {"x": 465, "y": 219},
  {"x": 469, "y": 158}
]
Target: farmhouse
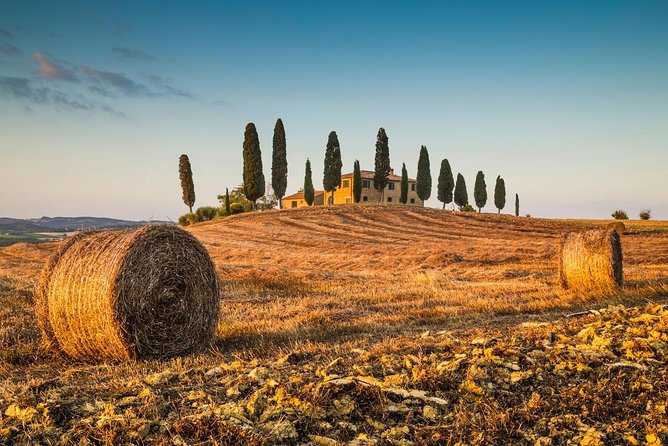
[{"x": 344, "y": 193}]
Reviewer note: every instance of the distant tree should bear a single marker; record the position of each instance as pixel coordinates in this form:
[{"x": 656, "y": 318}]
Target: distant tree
[
  {"x": 517, "y": 205},
  {"x": 446, "y": 183},
  {"x": 236, "y": 196},
  {"x": 382, "y": 163},
  {"x": 500, "y": 193},
  {"x": 404, "y": 184},
  {"x": 423, "y": 178},
  {"x": 461, "y": 195},
  {"x": 206, "y": 213},
  {"x": 480, "y": 191},
  {"x": 332, "y": 171},
  {"x": 645, "y": 214},
  {"x": 227, "y": 202},
  {"x": 620, "y": 215},
  {"x": 357, "y": 182},
  {"x": 279, "y": 163},
  {"x": 254, "y": 186},
  {"x": 309, "y": 192},
  {"x": 467, "y": 208},
  {"x": 187, "y": 185},
  {"x": 268, "y": 201}
]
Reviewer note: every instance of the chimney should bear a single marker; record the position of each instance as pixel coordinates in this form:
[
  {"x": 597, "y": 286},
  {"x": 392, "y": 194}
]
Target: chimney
[{"x": 391, "y": 171}]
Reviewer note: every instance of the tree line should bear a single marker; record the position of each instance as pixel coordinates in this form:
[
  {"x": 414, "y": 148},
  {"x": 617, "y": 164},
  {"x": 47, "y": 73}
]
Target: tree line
[{"x": 253, "y": 187}]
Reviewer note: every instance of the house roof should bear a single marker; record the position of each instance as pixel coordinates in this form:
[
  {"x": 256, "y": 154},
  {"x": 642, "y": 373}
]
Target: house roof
[
  {"x": 300, "y": 195},
  {"x": 369, "y": 174}
]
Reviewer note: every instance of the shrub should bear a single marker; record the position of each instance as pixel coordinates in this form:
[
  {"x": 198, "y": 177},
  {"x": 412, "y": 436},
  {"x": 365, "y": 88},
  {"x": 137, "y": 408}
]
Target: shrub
[
  {"x": 236, "y": 208},
  {"x": 620, "y": 215},
  {"x": 645, "y": 214},
  {"x": 467, "y": 208},
  {"x": 206, "y": 213},
  {"x": 188, "y": 219}
]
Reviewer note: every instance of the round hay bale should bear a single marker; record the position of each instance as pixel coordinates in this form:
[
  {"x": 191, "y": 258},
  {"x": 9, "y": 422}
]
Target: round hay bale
[
  {"x": 591, "y": 260},
  {"x": 617, "y": 226},
  {"x": 134, "y": 294}
]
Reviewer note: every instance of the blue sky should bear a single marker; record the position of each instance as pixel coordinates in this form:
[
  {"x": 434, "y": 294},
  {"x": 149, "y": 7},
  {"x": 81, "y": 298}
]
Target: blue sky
[{"x": 568, "y": 100}]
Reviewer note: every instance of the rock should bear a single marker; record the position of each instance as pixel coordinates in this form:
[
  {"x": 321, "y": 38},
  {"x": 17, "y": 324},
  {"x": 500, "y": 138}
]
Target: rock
[{"x": 216, "y": 371}]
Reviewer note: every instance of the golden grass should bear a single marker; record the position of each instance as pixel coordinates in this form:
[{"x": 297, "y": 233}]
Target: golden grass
[{"x": 146, "y": 293}]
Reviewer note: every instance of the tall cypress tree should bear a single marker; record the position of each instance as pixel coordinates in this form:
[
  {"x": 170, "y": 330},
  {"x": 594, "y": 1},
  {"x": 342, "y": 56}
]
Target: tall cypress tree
[
  {"x": 254, "y": 186},
  {"x": 423, "y": 179},
  {"x": 500, "y": 193},
  {"x": 279, "y": 163},
  {"x": 357, "y": 182},
  {"x": 461, "y": 195},
  {"x": 332, "y": 171},
  {"x": 187, "y": 185},
  {"x": 517, "y": 205},
  {"x": 446, "y": 183},
  {"x": 309, "y": 193},
  {"x": 382, "y": 163},
  {"x": 404, "y": 184},
  {"x": 480, "y": 191},
  {"x": 227, "y": 202}
]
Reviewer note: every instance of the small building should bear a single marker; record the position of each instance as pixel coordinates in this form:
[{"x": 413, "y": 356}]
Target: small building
[
  {"x": 344, "y": 193},
  {"x": 297, "y": 200}
]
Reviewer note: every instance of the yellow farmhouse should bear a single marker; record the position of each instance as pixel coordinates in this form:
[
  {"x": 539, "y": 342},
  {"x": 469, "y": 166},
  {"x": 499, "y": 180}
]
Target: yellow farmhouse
[{"x": 344, "y": 193}]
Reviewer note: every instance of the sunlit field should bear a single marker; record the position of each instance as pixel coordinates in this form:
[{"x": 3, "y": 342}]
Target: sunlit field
[{"x": 368, "y": 325}]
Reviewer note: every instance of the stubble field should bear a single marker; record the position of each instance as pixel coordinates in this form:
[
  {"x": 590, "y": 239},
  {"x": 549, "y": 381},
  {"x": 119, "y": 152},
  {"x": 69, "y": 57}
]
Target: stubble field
[{"x": 368, "y": 325}]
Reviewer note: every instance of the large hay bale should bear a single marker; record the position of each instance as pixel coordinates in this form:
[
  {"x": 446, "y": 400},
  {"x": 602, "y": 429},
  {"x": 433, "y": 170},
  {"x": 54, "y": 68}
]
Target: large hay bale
[
  {"x": 618, "y": 226},
  {"x": 135, "y": 294},
  {"x": 591, "y": 260}
]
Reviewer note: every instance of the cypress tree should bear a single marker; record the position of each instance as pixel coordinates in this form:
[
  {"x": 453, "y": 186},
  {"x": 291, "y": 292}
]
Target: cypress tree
[
  {"x": 446, "y": 183},
  {"x": 461, "y": 195},
  {"x": 279, "y": 163},
  {"x": 187, "y": 185},
  {"x": 500, "y": 193},
  {"x": 357, "y": 182},
  {"x": 404, "y": 184},
  {"x": 332, "y": 172},
  {"x": 480, "y": 191},
  {"x": 517, "y": 205},
  {"x": 423, "y": 178},
  {"x": 227, "y": 202},
  {"x": 382, "y": 163},
  {"x": 253, "y": 177},
  {"x": 309, "y": 193}
]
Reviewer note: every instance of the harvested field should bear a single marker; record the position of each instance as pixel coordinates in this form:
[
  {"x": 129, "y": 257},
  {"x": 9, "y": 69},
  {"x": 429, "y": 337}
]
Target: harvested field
[{"x": 369, "y": 325}]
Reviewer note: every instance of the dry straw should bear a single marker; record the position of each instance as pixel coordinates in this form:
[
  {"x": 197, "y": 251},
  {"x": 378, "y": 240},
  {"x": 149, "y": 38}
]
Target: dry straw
[
  {"x": 617, "y": 226},
  {"x": 591, "y": 260},
  {"x": 137, "y": 294}
]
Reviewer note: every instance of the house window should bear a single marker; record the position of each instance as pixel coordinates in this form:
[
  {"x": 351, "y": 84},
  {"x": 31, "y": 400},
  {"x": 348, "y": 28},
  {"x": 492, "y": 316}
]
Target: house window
[
  {"x": 365, "y": 198},
  {"x": 346, "y": 183},
  {"x": 389, "y": 199},
  {"x": 294, "y": 204},
  {"x": 412, "y": 187},
  {"x": 412, "y": 200},
  {"x": 366, "y": 184},
  {"x": 390, "y": 185},
  {"x": 347, "y": 199}
]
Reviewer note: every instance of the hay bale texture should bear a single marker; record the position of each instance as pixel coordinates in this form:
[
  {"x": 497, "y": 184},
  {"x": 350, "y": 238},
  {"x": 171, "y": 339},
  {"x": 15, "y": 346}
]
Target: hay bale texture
[
  {"x": 591, "y": 260},
  {"x": 134, "y": 294},
  {"x": 618, "y": 226}
]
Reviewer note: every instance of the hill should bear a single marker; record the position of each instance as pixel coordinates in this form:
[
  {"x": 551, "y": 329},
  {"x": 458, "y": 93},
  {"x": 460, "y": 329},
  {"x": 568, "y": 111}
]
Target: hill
[{"x": 369, "y": 325}]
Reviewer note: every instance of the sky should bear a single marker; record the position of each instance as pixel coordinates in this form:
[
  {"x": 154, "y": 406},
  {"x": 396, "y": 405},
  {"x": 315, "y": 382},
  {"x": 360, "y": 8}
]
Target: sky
[{"x": 567, "y": 101}]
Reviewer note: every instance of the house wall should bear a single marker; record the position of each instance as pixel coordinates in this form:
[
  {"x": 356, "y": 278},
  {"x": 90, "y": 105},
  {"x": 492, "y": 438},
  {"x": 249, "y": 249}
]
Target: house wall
[
  {"x": 300, "y": 202},
  {"x": 344, "y": 194}
]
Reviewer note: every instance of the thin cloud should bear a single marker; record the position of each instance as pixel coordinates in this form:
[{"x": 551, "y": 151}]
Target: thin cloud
[
  {"x": 49, "y": 69},
  {"x": 131, "y": 53},
  {"x": 5, "y": 33},
  {"x": 10, "y": 50},
  {"x": 167, "y": 89},
  {"x": 26, "y": 90},
  {"x": 119, "y": 81}
]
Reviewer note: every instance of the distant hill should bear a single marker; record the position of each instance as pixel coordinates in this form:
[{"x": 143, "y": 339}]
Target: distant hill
[{"x": 66, "y": 224}]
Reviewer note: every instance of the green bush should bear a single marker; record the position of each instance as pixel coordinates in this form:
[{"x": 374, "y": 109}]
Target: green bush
[
  {"x": 467, "y": 208},
  {"x": 237, "y": 208},
  {"x": 188, "y": 219},
  {"x": 206, "y": 213},
  {"x": 620, "y": 215},
  {"x": 645, "y": 214}
]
